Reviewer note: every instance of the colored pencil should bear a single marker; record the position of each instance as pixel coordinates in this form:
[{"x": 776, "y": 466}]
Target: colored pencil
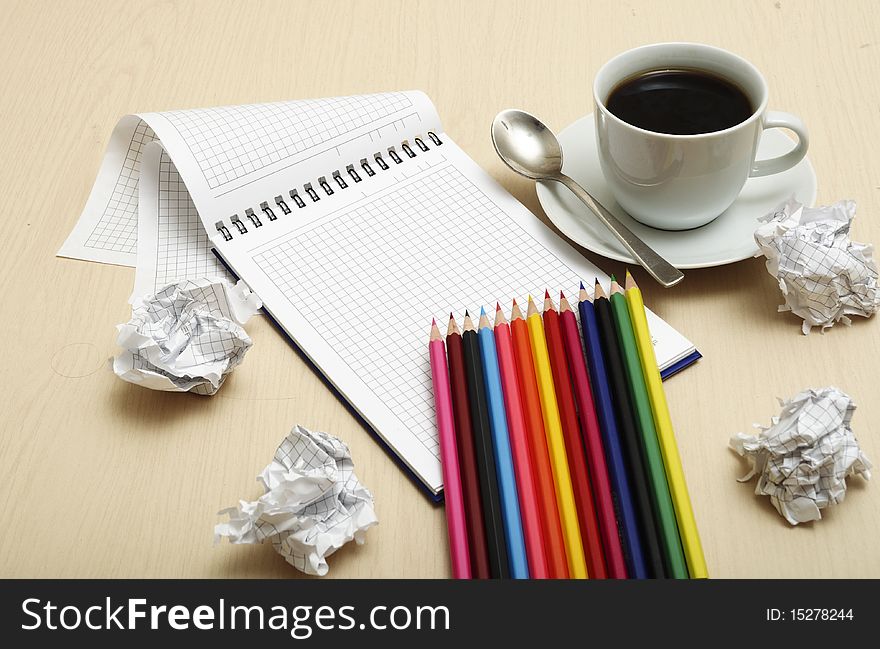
[
  {"x": 664, "y": 512},
  {"x": 627, "y": 519},
  {"x": 554, "y": 545},
  {"x": 574, "y": 447},
  {"x": 513, "y": 534},
  {"x": 592, "y": 438},
  {"x": 626, "y": 425},
  {"x": 519, "y": 444},
  {"x": 456, "y": 527},
  {"x": 687, "y": 526},
  {"x": 499, "y": 567},
  {"x": 467, "y": 454},
  {"x": 571, "y": 534}
]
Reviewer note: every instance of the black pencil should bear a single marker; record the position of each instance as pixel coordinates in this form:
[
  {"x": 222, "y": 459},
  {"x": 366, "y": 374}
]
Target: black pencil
[
  {"x": 629, "y": 437},
  {"x": 491, "y": 498}
]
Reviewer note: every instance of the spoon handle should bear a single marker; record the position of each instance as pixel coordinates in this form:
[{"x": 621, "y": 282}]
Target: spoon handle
[{"x": 660, "y": 269}]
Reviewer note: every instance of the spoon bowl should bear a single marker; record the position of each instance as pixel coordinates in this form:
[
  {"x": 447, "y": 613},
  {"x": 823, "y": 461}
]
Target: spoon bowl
[{"x": 526, "y": 145}]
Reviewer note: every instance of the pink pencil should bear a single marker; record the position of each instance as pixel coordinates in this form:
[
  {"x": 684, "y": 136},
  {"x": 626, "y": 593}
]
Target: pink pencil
[
  {"x": 458, "y": 545},
  {"x": 519, "y": 445}
]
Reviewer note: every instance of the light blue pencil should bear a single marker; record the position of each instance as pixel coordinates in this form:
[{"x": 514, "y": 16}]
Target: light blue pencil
[{"x": 516, "y": 546}]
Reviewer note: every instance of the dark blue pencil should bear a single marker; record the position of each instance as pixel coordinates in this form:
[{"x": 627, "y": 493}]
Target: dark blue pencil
[{"x": 626, "y": 513}]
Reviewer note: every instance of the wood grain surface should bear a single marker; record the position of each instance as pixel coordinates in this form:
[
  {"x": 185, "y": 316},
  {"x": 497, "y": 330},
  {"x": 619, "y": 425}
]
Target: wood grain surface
[{"x": 99, "y": 478}]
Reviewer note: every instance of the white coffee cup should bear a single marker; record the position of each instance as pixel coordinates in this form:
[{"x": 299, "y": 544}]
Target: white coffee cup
[{"x": 678, "y": 182}]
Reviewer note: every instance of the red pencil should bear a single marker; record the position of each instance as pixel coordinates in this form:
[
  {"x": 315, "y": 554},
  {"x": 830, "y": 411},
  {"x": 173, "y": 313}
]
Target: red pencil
[
  {"x": 554, "y": 546},
  {"x": 574, "y": 448},
  {"x": 467, "y": 458},
  {"x": 592, "y": 439},
  {"x": 519, "y": 446}
]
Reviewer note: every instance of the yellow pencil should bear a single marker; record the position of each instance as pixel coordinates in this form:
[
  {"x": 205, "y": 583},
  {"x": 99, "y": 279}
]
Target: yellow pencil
[
  {"x": 571, "y": 533},
  {"x": 684, "y": 514}
]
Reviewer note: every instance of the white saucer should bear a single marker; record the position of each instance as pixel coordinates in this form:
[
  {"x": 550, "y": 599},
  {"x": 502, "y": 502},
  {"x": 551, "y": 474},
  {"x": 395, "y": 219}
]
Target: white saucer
[{"x": 727, "y": 239}]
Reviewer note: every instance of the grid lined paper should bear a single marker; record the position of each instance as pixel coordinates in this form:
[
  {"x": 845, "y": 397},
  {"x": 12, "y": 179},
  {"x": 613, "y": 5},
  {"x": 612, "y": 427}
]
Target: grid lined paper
[
  {"x": 183, "y": 248},
  {"x": 116, "y": 229},
  {"x": 389, "y": 265},
  {"x": 231, "y": 142}
]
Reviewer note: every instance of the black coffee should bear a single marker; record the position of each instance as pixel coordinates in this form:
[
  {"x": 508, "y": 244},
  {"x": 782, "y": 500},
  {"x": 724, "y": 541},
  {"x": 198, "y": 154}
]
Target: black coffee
[{"x": 681, "y": 102}]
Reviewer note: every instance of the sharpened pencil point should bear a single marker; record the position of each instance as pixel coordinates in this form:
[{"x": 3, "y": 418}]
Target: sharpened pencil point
[
  {"x": 563, "y": 303},
  {"x": 546, "y": 294},
  {"x": 433, "y": 322},
  {"x": 530, "y": 297},
  {"x": 514, "y": 301},
  {"x": 499, "y": 316},
  {"x": 613, "y": 278},
  {"x": 482, "y": 311},
  {"x": 497, "y": 306},
  {"x": 450, "y": 315},
  {"x": 466, "y": 314},
  {"x": 582, "y": 285}
]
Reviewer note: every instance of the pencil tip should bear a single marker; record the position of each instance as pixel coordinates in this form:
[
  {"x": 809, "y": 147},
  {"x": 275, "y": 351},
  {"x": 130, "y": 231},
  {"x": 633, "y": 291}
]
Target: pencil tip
[
  {"x": 530, "y": 297},
  {"x": 482, "y": 312},
  {"x": 497, "y": 306},
  {"x": 546, "y": 294},
  {"x": 514, "y": 301},
  {"x": 561, "y": 295},
  {"x": 433, "y": 322},
  {"x": 450, "y": 316},
  {"x": 582, "y": 285},
  {"x": 466, "y": 314},
  {"x": 613, "y": 278}
]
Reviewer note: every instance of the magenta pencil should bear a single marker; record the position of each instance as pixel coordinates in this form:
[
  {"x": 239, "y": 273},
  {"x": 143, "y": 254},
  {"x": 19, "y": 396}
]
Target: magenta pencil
[{"x": 455, "y": 517}]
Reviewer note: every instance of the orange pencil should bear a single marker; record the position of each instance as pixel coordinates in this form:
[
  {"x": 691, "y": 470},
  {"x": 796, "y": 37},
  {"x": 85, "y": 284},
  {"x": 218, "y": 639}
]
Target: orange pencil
[
  {"x": 574, "y": 447},
  {"x": 554, "y": 545},
  {"x": 522, "y": 462}
]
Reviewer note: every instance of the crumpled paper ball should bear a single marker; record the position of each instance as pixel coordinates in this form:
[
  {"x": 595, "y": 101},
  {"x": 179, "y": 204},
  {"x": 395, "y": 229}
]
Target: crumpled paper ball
[
  {"x": 187, "y": 337},
  {"x": 824, "y": 277},
  {"x": 313, "y": 505},
  {"x": 803, "y": 458}
]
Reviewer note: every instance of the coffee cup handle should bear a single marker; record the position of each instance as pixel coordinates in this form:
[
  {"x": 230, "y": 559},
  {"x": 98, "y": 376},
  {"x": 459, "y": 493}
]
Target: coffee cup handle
[{"x": 778, "y": 119}]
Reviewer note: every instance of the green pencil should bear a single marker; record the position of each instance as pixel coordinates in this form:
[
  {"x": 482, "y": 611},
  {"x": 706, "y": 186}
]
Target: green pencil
[{"x": 664, "y": 511}]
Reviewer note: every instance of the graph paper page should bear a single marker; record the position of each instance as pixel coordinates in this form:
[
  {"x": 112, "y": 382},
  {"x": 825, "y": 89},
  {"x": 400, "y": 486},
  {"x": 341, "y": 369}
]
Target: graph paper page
[
  {"x": 172, "y": 244},
  {"x": 228, "y": 156},
  {"x": 356, "y": 281}
]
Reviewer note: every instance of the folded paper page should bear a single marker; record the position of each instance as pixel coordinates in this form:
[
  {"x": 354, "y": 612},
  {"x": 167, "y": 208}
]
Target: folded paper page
[{"x": 172, "y": 244}]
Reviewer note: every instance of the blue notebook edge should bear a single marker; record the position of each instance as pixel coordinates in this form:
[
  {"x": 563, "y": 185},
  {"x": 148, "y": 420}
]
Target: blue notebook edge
[{"x": 677, "y": 367}]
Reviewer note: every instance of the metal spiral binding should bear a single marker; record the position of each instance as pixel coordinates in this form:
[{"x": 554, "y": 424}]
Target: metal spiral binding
[{"x": 339, "y": 180}]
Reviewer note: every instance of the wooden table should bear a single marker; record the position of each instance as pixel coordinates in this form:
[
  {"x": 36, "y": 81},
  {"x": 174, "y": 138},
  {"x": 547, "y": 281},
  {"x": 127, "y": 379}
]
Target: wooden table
[{"x": 99, "y": 478}]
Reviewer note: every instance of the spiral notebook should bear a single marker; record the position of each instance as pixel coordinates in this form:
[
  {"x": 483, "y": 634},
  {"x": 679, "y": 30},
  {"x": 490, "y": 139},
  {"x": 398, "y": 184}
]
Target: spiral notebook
[{"x": 355, "y": 219}]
